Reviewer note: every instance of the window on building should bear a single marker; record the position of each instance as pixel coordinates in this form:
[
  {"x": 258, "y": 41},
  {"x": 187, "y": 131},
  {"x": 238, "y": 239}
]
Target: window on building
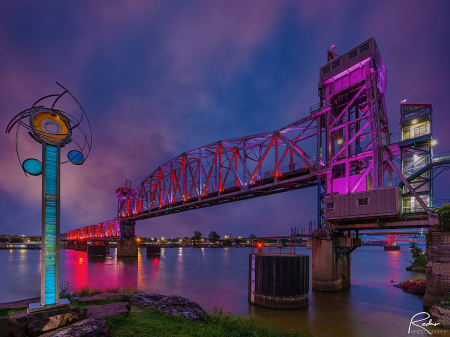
[
  {"x": 326, "y": 70},
  {"x": 363, "y": 202},
  {"x": 364, "y": 48},
  {"x": 330, "y": 206},
  {"x": 337, "y": 63},
  {"x": 353, "y": 54}
]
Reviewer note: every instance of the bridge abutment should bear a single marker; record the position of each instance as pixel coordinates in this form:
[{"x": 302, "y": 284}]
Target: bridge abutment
[
  {"x": 127, "y": 248},
  {"x": 438, "y": 266},
  {"x": 331, "y": 263}
]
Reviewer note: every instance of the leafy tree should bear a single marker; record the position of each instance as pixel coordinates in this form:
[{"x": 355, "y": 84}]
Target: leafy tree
[
  {"x": 3, "y": 238},
  {"x": 227, "y": 243},
  {"x": 418, "y": 255},
  {"x": 213, "y": 236},
  {"x": 16, "y": 239},
  {"x": 252, "y": 236},
  {"x": 197, "y": 237}
]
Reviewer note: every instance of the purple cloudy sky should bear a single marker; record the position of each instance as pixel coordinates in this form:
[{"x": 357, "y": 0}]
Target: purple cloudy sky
[{"x": 158, "y": 78}]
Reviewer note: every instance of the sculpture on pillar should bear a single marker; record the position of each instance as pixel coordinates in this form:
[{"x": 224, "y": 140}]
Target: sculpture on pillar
[{"x": 54, "y": 129}]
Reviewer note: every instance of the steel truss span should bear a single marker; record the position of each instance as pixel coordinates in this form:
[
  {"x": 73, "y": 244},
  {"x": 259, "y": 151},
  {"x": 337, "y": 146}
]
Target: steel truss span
[
  {"x": 107, "y": 229},
  {"x": 226, "y": 171}
]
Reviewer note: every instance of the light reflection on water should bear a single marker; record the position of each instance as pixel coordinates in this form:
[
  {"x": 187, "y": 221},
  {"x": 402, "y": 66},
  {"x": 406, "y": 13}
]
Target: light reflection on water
[{"x": 219, "y": 277}]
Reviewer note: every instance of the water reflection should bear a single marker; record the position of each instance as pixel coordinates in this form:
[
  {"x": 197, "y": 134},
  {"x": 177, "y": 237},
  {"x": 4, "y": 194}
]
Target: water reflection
[{"x": 371, "y": 306}]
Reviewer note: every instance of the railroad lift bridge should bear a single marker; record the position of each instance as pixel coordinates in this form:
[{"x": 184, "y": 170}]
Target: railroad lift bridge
[{"x": 343, "y": 147}]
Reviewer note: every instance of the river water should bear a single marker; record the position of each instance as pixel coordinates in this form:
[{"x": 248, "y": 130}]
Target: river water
[{"x": 219, "y": 277}]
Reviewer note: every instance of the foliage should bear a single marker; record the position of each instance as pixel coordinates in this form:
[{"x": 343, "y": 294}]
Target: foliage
[
  {"x": 197, "y": 237},
  {"x": 252, "y": 236},
  {"x": 418, "y": 255},
  {"x": 3, "y": 238},
  {"x": 416, "y": 278},
  {"x": 16, "y": 240},
  {"x": 444, "y": 300},
  {"x": 65, "y": 291},
  {"x": 227, "y": 243},
  {"x": 213, "y": 236},
  {"x": 444, "y": 217},
  {"x": 150, "y": 322},
  {"x": 6, "y": 312}
]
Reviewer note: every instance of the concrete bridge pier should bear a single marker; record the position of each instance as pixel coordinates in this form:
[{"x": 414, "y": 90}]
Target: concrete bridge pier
[
  {"x": 81, "y": 245},
  {"x": 331, "y": 263},
  {"x": 438, "y": 266},
  {"x": 127, "y": 248},
  {"x": 101, "y": 243},
  {"x": 70, "y": 244}
]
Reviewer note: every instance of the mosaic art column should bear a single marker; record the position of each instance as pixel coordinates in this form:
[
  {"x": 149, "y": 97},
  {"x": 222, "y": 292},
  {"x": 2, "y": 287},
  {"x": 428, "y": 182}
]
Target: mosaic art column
[{"x": 50, "y": 225}]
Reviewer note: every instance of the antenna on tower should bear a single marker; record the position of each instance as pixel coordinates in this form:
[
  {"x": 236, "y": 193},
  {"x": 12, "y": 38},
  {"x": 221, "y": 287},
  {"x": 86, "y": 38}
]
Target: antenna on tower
[{"x": 332, "y": 53}]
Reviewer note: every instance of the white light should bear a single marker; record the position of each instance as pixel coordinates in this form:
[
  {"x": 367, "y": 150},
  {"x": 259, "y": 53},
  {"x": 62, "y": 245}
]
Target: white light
[
  {"x": 404, "y": 101},
  {"x": 340, "y": 141},
  {"x": 416, "y": 157},
  {"x": 414, "y": 121},
  {"x": 433, "y": 143}
]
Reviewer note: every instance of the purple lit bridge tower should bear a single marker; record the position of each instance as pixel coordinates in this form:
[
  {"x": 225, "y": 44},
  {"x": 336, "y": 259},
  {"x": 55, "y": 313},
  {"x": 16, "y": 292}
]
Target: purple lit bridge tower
[{"x": 343, "y": 146}]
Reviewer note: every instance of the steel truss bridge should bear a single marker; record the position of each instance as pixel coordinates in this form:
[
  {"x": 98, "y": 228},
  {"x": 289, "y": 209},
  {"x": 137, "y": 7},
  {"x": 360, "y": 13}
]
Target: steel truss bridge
[{"x": 342, "y": 146}]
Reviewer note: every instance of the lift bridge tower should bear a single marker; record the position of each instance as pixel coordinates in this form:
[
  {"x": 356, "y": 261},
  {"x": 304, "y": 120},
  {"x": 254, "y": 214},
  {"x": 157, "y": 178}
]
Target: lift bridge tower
[{"x": 352, "y": 117}]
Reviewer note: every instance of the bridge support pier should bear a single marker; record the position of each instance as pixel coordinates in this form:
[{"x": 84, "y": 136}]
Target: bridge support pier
[
  {"x": 127, "y": 248},
  {"x": 438, "y": 266},
  {"x": 101, "y": 243},
  {"x": 331, "y": 263},
  {"x": 70, "y": 244},
  {"x": 81, "y": 245}
]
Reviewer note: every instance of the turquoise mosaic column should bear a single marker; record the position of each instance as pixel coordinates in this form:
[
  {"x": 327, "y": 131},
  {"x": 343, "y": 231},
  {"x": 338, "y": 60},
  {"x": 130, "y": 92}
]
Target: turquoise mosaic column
[{"x": 50, "y": 225}]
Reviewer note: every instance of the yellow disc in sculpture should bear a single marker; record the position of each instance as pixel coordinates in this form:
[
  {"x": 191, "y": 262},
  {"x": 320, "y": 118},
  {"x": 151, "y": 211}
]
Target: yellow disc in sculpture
[{"x": 50, "y": 126}]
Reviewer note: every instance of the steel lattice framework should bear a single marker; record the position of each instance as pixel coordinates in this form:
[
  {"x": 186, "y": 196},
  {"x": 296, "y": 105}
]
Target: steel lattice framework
[
  {"x": 102, "y": 230},
  {"x": 342, "y": 146}
]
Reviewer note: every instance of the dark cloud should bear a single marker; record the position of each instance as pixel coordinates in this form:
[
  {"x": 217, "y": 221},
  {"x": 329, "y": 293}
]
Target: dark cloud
[{"x": 160, "y": 78}]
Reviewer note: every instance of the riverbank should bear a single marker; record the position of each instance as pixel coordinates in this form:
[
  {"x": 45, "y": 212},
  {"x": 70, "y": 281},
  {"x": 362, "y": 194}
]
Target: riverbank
[{"x": 133, "y": 313}]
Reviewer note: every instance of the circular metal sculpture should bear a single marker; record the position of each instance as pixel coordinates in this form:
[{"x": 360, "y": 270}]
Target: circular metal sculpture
[{"x": 53, "y": 129}]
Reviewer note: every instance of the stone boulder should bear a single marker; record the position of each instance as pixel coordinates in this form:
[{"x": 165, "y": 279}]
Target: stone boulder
[
  {"x": 103, "y": 297},
  {"x": 145, "y": 299},
  {"x": 440, "y": 315},
  {"x": 107, "y": 310},
  {"x": 84, "y": 328},
  {"x": 180, "y": 306},
  {"x": 10, "y": 328},
  {"x": 41, "y": 326},
  {"x": 19, "y": 304}
]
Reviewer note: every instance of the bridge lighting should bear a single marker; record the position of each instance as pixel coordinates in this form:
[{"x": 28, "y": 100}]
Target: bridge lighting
[
  {"x": 340, "y": 141},
  {"x": 414, "y": 121},
  {"x": 433, "y": 142},
  {"x": 404, "y": 101}
]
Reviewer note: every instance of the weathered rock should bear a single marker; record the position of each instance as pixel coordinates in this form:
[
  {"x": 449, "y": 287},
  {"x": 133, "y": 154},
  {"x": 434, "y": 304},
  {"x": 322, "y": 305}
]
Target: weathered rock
[
  {"x": 180, "y": 306},
  {"x": 75, "y": 308},
  {"x": 84, "y": 328},
  {"x": 145, "y": 299},
  {"x": 417, "y": 269},
  {"x": 102, "y": 297},
  {"x": 10, "y": 328},
  {"x": 19, "y": 304},
  {"x": 20, "y": 319},
  {"x": 107, "y": 310},
  {"x": 41, "y": 326},
  {"x": 440, "y": 315}
]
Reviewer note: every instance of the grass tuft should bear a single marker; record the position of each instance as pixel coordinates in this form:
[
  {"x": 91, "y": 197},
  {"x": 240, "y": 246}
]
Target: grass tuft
[{"x": 150, "y": 322}]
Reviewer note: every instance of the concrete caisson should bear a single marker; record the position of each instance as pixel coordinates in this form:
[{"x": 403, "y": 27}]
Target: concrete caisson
[
  {"x": 279, "y": 281},
  {"x": 153, "y": 250},
  {"x": 96, "y": 251},
  {"x": 331, "y": 263},
  {"x": 438, "y": 266},
  {"x": 127, "y": 248}
]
